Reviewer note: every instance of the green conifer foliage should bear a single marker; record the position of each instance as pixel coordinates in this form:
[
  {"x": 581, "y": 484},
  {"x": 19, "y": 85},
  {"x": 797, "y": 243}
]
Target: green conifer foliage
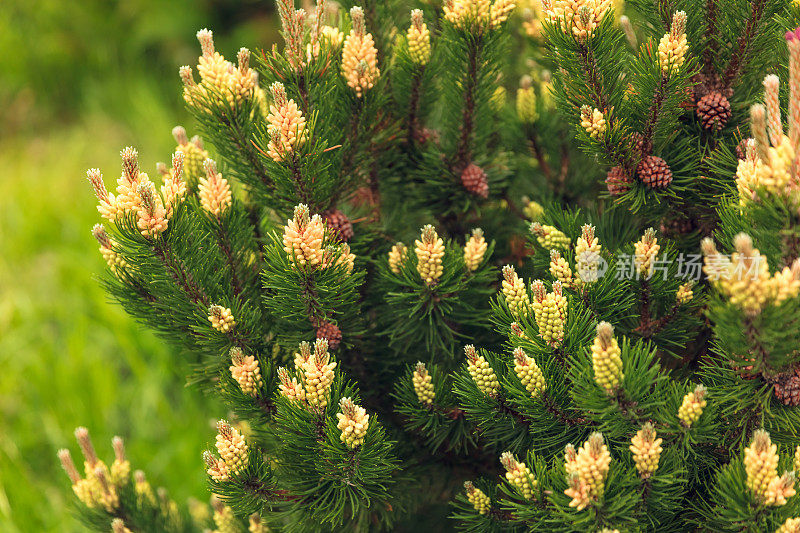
[{"x": 493, "y": 265}]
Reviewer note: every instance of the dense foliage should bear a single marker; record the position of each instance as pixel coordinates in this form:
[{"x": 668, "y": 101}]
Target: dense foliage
[{"x": 385, "y": 360}]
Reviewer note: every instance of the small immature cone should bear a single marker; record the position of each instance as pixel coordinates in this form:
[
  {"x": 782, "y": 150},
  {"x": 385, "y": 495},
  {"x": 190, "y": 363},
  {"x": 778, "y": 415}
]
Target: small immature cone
[
  {"x": 339, "y": 255},
  {"x": 797, "y": 459},
  {"x": 550, "y": 313},
  {"x": 174, "y": 188},
  {"x": 587, "y": 254},
  {"x": 786, "y": 283},
  {"x": 793, "y": 42},
  {"x": 479, "y": 500},
  {"x": 549, "y": 237},
  {"x": 529, "y": 373},
  {"x": 224, "y": 518},
  {"x": 429, "y": 249},
  {"x": 761, "y": 465},
  {"x": 481, "y": 372},
  {"x": 517, "y": 330},
  {"x": 232, "y": 447},
  {"x": 107, "y": 245},
  {"x": 359, "y": 56},
  {"x": 673, "y": 47},
  {"x": 331, "y": 333},
  {"x": 332, "y": 36},
  {"x": 255, "y": 525},
  {"x": 107, "y": 205},
  {"x": 593, "y": 121},
  {"x": 646, "y": 250},
  {"x": 423, "y": 384},
  {"x": 518, "y": 475},
  {"x": 339, "y": 224},
  {"x": 121, "y": 467},
  {"x": 715, "y": 265},
  {"x": 211, "y": 66},
  {"x": 692, "y": 406},
  {"x": 758, "y": 124},
  {"x": 617, "y": 181},
  {"x": 243, "y": 80},
  {"x": 302, "y": 238},
  {"x": 419, "y": 39},
  {"x": 474, "y": 180},
  {"x": 216, "y": 467},
  {"x": 191, "y": 91},
  {"x": 586, "y": 471},
  {"x": 474, "y": 250},
  {"x": 792, "y": 525},
  {"x": 142, "y": 488},
  {"x": 685, "y": 293},
  {"x": 128, "y": 184},
  {"x": 219, "y": 78},
  {"x": 467, "y": 13},
  {"x": 245, "y": 370},
  {"x": 221, "y": 318},
  {"x": 526, "y": 101},
  {"x": 118, "y": 526},
  {"x": 532, "y": 210},
  {"x": 781, "y": 489},
  {"x": 86, "y": 445},
  {"x": 69, "y": 466},
  {"x": 292, "y": 25},
  {"x": 579, "y": 18},
  {"x": 152, "y": 219},
  {"x": 761, "y": 462},
  {"x": 630, "y": 34},
  {"x": 289, "y": 387},
  {"x": 560, "y": 269},
  {"x": 353, "y": 423},
  {"x": 646, "y": 449},
  {"x": 317, "y": 373},
  {"x": 749, "y": 285},
  {"x": 397, "y": 256},
  {"x": 194, "y": 155},
  {"x": 772, "y": 100},
  {"x": 214, "y": 190},
  {"x": 286, "y": 125},
  {"x": 514, "y": 291},
  {"x": 606, "y": 359},
  {"x": 500, "y": 11}
]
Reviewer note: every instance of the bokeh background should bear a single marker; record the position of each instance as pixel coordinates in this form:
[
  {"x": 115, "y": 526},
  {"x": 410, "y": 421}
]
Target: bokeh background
[{"x": 78, "y": 82}]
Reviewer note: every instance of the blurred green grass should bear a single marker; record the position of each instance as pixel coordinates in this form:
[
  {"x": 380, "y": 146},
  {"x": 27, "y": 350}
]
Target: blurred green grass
[
  {"x": 68, "y": 356},
  {"x": 77, "y": 83}
]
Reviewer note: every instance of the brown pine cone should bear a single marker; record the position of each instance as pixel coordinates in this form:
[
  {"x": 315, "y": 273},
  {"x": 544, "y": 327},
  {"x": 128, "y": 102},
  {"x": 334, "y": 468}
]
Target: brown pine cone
[
  {"x": 654, "y": 172},
  {"x": 714, "y": 111},
  {"x": 331, "y": 333},
  {"x": 741, "y": 149},
  {"x": 339, "y": 225},
  {"x": 787, "y": 389},
  {"x": 474, "y": 180},
  {"x": 637, "y": 141},
  {"x": 676, "y": 225},
  {"x": 617, "y": 181},
  {"x": 425, "y": 135}
]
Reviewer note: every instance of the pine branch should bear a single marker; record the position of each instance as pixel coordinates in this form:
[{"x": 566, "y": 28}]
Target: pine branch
[
  {"x": 179, "y": 272},
  {"x": 740, "y": 57},
  {"x": 463, "y": 153}
]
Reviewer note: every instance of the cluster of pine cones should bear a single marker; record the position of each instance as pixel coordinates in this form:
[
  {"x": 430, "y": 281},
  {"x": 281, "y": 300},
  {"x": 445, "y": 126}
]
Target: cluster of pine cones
[{"x": 713, "y": 109}]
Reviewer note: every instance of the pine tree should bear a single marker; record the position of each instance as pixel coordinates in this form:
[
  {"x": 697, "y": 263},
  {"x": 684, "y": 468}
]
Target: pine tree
[{"x": 393, "y": 258}]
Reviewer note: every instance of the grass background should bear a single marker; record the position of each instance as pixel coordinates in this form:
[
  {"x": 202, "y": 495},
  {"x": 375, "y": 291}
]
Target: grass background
[{"x": 79, "y": 81}]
